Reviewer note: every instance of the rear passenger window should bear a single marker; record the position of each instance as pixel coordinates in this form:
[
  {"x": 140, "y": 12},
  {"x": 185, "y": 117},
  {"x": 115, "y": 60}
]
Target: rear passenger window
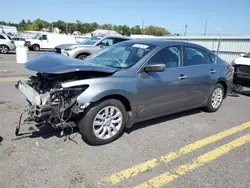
[
  {"x": 116, "y": 40},
  {"x": 196, "y": 56},
  {"x": 2, "y": 37}
]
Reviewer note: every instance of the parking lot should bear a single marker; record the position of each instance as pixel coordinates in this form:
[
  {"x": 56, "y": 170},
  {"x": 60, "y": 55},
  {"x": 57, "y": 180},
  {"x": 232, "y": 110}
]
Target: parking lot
[{"x": 189, "y": 149}]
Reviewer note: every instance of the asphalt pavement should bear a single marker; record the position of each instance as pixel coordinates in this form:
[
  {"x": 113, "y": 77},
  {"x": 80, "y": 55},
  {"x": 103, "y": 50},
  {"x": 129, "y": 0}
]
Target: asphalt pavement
[{"x": 193, "y": 149}]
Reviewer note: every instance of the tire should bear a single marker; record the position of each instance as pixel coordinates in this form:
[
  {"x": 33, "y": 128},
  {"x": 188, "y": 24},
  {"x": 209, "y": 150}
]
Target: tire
[
  {"x": 4, "y": 49},
  {"x": 213, "y": 107},
  {"x": 82, "y": 56},
  {"x": 36, "y": 47},
  {"x": 87, "y": 125}
]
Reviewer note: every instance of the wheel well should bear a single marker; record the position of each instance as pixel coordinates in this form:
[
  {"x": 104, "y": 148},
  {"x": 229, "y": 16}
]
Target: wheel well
[
  {"x": 224, "y": 86},
  {"x": 35, "y": 45},
  {"x": 85, "y": 53},
  {"x": 121, "y": 98},
  {"x": 5, "y": 46}
]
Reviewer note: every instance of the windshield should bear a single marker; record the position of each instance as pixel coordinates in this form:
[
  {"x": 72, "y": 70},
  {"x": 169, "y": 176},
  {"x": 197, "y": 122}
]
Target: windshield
[
  {"x": 91, "y": 40},
  {"x": 122, "y": 55},
  {"x": 36, "y": 36},
  {"x": 247, "y": 55}
]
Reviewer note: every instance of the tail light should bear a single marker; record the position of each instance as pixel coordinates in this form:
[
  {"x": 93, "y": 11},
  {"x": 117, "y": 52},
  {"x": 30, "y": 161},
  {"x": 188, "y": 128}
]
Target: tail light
[{"x": 230, "y": 68}]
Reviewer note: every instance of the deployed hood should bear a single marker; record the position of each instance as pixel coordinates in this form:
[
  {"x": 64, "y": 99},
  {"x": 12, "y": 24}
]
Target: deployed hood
[{"x": 53, "y": 63}]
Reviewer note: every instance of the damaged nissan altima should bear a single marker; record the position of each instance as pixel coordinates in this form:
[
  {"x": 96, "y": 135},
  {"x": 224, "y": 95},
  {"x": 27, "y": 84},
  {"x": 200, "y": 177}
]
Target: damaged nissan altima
[{"x": 128, "y": 82}]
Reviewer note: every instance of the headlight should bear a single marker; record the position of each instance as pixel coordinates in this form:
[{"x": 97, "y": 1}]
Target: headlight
[{"x": 68, "y": 49}]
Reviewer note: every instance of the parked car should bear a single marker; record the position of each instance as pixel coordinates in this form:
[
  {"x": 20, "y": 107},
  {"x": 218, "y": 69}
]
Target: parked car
[
  {"x": 242, "y": 68},
  {"x": 89, "y": 46},
  {"x": 6, "y": 44},
  {"x": 48, "y": 41},
  {"x": 123, "y": 84}
]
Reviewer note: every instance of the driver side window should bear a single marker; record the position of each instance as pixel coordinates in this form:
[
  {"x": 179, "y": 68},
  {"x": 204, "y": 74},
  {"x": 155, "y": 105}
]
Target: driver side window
[
  {"x": 107, "y": 42},
  {"x": 170, "y": 56}
]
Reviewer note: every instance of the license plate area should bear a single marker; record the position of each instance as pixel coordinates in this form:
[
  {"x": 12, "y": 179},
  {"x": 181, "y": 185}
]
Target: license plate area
[{"x": 31, "y": 95}]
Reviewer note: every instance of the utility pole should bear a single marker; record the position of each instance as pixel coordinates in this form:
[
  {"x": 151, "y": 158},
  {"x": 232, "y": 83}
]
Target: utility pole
[
  {"x": 205, "y": 31},
  {"x": 185, "y": 30},
  {"x": 142, "y": 27}
]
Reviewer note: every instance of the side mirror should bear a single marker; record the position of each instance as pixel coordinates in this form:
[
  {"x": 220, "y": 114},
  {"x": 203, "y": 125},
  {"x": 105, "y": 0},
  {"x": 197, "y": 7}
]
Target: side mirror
[
  {"x": 155, "y": 68},
  {"x": 241, "y": 55}
]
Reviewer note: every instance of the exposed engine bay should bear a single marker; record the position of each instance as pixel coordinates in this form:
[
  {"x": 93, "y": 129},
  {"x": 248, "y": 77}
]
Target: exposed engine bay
[{"x": 49, "y": 102}]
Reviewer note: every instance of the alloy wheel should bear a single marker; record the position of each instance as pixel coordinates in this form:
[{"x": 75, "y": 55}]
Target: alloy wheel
[
  {"x": 107, "y": 122},
  {"x": 217, "y": 97},
  {"x": 4, "y": 49}
]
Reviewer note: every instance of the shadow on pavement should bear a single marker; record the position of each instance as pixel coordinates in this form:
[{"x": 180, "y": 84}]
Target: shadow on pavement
[
  {"x": 151, "y": 122},
  {"x": 46, "y": 131},
  {"x": 1, "y": 139}
]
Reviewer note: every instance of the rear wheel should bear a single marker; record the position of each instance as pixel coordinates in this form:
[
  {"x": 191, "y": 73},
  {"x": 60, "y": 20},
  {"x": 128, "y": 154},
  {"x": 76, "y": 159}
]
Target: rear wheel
[
  {"x": 216, "y": 98},
  {"x": 36, "y": 47},
  {"x": 104, "y": 122},
  {"x": 4, "y": 49},
  {"x": 82, "y": 56}
]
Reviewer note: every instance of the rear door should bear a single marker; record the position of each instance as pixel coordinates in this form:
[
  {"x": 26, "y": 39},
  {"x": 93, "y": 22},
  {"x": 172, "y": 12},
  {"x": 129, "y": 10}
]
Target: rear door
[{"x": 202, "y": 68}]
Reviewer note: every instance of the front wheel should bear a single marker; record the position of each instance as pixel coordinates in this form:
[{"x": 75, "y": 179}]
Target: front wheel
[
  {"x": 216, "y": 98},
  {"x": 36, "y": 47},
  {"x": 4, "y": 49},
  {"x": 104, "y": 122},
  {"x": 82, "y": 56}
]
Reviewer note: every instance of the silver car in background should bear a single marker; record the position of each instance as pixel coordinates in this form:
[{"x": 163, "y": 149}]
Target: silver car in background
[
  {"x": 6, "y": 44},
  {"x": 89, "y": 46}
]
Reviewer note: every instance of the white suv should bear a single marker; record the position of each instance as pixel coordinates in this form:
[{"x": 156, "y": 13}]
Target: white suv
[
  {"x": 6, "y": 44},
  {"x": 242, "y": 68}
]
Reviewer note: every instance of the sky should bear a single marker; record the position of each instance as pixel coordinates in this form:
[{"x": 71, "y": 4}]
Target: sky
[{"x": 230, "y": 17}]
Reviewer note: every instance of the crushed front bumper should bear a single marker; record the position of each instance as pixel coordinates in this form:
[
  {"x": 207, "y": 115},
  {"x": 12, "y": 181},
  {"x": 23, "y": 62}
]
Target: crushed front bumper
[{"x": 31, "y": 95}]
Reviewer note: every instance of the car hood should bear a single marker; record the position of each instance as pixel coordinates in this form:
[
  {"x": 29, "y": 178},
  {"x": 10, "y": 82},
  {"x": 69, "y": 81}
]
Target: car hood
[
  {"x": 242, "y": 61},
  {"x": 64, "y": 46},
  {"x": 53, "y": 63}
]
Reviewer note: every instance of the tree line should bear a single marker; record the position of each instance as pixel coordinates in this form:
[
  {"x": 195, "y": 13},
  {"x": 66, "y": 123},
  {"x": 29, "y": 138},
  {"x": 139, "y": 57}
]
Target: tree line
[{"x": 69, "y": 27}]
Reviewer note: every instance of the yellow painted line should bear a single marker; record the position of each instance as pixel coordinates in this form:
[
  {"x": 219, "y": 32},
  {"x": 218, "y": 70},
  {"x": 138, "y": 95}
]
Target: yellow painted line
[
  {"x": 12, "y": 79},
  {"x": 167, "y": 177},
  {"x": 155, "y": 162}
]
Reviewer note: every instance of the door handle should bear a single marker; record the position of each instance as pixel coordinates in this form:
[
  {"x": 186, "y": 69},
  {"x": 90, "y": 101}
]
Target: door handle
[
  {"x": 212, "y": 71},
  {"x": 182, "y": 77}
]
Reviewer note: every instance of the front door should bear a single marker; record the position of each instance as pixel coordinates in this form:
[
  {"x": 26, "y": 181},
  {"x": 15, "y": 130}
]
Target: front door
[
  {"x": 45, "y": 42},
  {"x": 161, "y": 92},
  {"x": 202, "y": 74}
]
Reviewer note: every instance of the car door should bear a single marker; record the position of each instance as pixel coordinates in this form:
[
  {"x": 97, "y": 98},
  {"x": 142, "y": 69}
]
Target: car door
[
  {"x": 44, "y": 41},
  {"x": 161, "y": 92},
  {"x": 202, "y": 69}
]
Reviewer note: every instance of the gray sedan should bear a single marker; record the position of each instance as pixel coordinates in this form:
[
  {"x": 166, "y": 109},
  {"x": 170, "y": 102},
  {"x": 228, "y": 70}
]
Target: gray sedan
[{"x": 123, "y": 84}]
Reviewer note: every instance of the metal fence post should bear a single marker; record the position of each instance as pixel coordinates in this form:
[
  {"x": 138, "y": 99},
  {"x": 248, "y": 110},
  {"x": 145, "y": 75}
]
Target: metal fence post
[{"x": 218, "y": 46}]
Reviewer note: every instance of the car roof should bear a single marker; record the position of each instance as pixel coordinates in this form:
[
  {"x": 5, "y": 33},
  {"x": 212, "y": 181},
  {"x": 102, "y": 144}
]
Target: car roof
[
  {"x": 117, "y": 36},
  {"x": 163, "y": 42}
]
